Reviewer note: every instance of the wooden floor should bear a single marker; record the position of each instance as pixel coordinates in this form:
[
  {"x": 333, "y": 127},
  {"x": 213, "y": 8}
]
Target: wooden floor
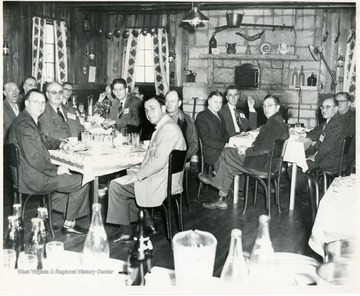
[{"x": 289, "y": 230}]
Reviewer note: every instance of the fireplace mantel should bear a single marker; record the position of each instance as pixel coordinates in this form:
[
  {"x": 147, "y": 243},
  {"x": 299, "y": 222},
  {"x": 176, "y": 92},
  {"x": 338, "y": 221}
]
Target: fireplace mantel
[{"x": 225, "y": 56}]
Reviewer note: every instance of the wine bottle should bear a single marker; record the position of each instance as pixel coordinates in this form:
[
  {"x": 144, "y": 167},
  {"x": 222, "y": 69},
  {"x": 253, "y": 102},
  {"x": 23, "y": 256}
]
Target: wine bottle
[
  {"x": 235, "y": 271},
  {"x": 12, "y": 237},
  {"x": 37, "y": 244},
  {"x": 141, "y": 255},
  {"x": 295, "y": 78},
  {"x": 96, "y": 247},
  {"x": 45, "y": 228},
  {"x": 302, "y": 76},
  {"x": 20, "y": 226},
  {"x": 212, "y": 43}
]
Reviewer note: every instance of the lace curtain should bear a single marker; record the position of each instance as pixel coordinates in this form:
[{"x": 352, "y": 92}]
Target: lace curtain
[
  {"x": 38, "y": 58},
  {"x": 129, "y": 62},
  {"x": 350, "y": 68}
]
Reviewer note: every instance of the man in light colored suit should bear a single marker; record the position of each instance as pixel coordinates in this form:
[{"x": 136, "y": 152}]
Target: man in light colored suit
[
  {"x": 147, "y": 187},
  {"x": 10, "y": 107},
  {"x": 234, "y": 119}
]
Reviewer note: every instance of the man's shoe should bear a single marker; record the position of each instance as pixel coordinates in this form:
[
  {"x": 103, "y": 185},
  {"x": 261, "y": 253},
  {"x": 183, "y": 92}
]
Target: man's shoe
[
  {"x": 204, "y": 178},
  {"x": 119, "y": 237},
  {"x": 151, "y": 230},
  {"x": 75, "y": 230},
  {"x": 220, "y": 204}
]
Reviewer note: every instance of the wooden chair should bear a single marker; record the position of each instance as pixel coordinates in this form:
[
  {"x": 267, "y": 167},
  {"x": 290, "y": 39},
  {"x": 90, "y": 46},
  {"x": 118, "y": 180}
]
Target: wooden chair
[
  {"x": 11, "y": 158},
  {"x": 313, "y": 193},
  {"x": 204, "y": 167},
  {"x": 186, "y": 187},
  {"x": 176, "y": 165},
  {"x": 273, "y": 174}
]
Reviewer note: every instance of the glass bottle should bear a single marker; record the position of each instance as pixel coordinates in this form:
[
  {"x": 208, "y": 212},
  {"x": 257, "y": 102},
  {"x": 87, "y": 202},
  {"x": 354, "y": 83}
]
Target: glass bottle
[
  {"x": 295, "y": 78},
  {"x": 212, "y": 43},
  {"x": 235, "y": 269},
  {"x": 96, "y": 247},
  {"x": 37, "y": 244},
  {"x": 248, "y": 50},
  {"x": 261, "y": 267},
  {"x": 12, "y": 237},
  {"x": 312, "y": 80},
  {"x": 90, "y": 105},
  {"x": 45, "y": 228},
  {"x": 141, "y": 255},
  {"x": 20, "y": 225},
  {"x": 302, "y": 76}
]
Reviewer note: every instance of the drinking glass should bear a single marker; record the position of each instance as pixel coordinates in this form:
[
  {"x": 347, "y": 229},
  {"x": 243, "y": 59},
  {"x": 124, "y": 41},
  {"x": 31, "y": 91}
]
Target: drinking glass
[
  {"x": 135, "y": 139},
  {"x": 54, "y": 253},
  {"x": 339, "y": 250},
  {"x": 335, "y": 273},
  {"x": 9, "y": 258},
  {"x": 27, "y": 261}
]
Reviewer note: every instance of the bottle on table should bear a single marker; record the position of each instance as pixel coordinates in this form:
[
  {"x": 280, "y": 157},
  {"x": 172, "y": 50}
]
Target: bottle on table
[
  {"x": 42, "y": 213},
  {"x": 295, "y": 78},
  {"x": 96, "y": 248},
  {"x": 20, "y": 224},
  {"x": 302, "y": 76},
  {"x": 37, "y": 243},
  {"x": 140, "y": 259},
  {"x": 235, "y": 270},
  {"x": 14, "y": 239}
]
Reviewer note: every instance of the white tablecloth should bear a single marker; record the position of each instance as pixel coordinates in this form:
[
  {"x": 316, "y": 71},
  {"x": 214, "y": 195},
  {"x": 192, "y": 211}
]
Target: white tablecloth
[{"x": 338, "y": 214}]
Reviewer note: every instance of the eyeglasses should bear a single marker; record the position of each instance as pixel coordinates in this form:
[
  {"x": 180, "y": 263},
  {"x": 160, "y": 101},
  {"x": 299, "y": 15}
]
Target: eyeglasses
[
  {"x": 36, "y": 102},
  {"x": 16, "y": 90},
  {"x": 54, "y": 92},
  {"x": 119, "y": 89},
  {"x": 135, "y": 93},
  {"x": 267, "y": 106},
  {"x": 342, "y": 101},
  {"x": 68, "y": 89},
  {"x": 327, "y": 107},
  {"x": 31, "y": 84}
]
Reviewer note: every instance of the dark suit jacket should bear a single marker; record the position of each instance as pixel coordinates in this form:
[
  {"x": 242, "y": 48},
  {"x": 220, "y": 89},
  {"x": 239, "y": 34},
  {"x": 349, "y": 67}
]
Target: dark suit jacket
[
  {"x": 37, "y": 174},
  {"x": 258, "y": 155},
  {"x": 52, "y": 124},
  {"x": 246, "y": 124},
  {"x": 328, "y": 150},
  {"x": 73, "y": 121},
  {"x": 213, "y": 135},
  {"x": 9, "y": 116}
]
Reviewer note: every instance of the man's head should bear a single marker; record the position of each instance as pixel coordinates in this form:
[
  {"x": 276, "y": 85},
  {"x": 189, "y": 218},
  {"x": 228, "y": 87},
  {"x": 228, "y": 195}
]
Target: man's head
[
  {"x": 54, "y": 92},
  {"x": 232, "y": 95},
  {"x": 11, "y": 92},
  {"x": 172, "y": 102},
  {"x": 344, "y": 101},
  {"x": 29, "y": 83},
  {"x": 119, "y": 88},
  {"x": 138, "y": 92},
  {"x": 35, "y": 103},
  {"x": 329, "y": 107},
  {"x": 155, "y": 109},
  {"x": 68, "y": 90},
  {"x": 271, "y": 105},
  {"x": 215, "y": 99}
]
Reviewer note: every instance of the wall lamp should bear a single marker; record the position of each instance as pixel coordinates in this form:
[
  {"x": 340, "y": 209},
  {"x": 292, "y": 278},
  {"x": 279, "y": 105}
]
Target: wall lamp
[
  {"x": 90, "y": 54},
  {"x": 195, "y": 17},
  {"x": 6, "y": 48}
]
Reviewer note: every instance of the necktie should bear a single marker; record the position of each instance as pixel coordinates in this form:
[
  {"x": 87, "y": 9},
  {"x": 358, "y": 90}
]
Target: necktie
[
  {"x": 120, "y": 109},
  {"x": 16, "y": 108},
  {"x": 237, "y": 117},
  {"x": 60, "y": 114}
]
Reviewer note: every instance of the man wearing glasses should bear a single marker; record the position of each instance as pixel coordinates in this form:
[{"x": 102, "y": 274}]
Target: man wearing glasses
[
  {"x": 125, "y": 109},
  {"x": 11, "y": 107},
  {"x": 59, "y": 121},
  {"x": 37, "y": 175}
]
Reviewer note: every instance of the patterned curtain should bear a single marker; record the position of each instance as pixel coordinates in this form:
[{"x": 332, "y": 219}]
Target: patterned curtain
[
  {"x": 129, "y": 62},
  {"x": 60, "y": 51},
  {"x": 161, "y": 63},
  {"x": 350, "y": 68},
  {"x": 38, "y": 28}
]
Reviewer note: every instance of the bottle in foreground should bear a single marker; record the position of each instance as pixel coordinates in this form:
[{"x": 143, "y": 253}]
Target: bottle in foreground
[
  {"x": 235, "y": 270},
  {"x": 42, "y": 213},
  {"x": 141, "y": 255},
  {"x": 13, "y": 237},
  {"x": 96, "y": 247},
  {"x": 37, "y": 243}
]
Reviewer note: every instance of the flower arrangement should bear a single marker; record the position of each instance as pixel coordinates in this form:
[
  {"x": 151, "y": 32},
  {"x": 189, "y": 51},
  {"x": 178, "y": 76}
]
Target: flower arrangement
[{"x": 101, "y": 109}]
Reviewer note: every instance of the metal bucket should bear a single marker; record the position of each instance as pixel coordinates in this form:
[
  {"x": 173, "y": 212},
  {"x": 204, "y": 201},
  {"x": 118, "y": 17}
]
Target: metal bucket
[{"x": 234, "y": 19}]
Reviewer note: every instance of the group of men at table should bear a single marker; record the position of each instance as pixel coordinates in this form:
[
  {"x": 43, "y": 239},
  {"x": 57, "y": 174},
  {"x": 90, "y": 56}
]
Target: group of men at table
[{"x": 47, "y": 121}]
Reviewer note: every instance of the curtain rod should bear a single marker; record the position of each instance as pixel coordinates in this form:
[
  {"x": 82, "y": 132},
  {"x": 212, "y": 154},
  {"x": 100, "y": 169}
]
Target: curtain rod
[{"x": 48, "y": 18}]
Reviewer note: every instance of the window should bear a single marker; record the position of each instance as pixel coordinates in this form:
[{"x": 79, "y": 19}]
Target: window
[
  {"x": 49, "y": 53},
  {"x": 145, "y": 62}
]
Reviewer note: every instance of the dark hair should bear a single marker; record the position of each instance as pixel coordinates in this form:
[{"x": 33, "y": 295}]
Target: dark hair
[
  {"x": 31, "y": 91},
  {"x": 230, "y": 87},
  {"x": 215, "y": 93},
  {"x": 275, "y": 98},
  {"x": 141, "y": 90},
  {"x": 29, "y": 77},
  {"x": 345, "y": 94},
  {"x": 335, "y": 101},
  {"x": 158, "y": 98},
  {"x": 118, "y": 81},
  {"x": 66, "y": 82}
]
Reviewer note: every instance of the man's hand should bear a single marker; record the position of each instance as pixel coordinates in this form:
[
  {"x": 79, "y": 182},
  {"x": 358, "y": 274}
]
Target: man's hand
[
  {"x": 251, "y": 103},
  {"x": 128, "y": 179},
  {"x": 66, "y": 146},
  {"x": 63, "y": 170},
  {"x": 311, "y": 157},
  {"x": 241, "y": 149},
  {"x": 107, "y": 123},
  {"x": 102, "y": 97}
]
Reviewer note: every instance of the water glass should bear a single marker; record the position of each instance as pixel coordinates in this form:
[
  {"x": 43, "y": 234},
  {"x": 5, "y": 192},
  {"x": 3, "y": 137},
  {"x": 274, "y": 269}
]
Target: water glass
[
  {"x": 27, "y": 261},
  {"x": 9, "y": 258},
  {"x": 54, "y": 254},
  {"x": 335, "y": 273},
  {"x": 339, "y": 250},
  {"x": 135, "y": 139}
]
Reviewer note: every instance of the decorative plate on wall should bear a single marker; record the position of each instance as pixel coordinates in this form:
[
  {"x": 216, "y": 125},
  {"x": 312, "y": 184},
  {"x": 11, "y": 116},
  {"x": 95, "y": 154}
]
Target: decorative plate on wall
[{"x": 265, "y": 48}]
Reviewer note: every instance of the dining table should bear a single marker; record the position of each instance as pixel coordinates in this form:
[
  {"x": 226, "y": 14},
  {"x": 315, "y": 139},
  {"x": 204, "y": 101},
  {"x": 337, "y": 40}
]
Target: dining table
[
  {"x": 294, "y": 154},
  {"x": 337, "y": 214}
]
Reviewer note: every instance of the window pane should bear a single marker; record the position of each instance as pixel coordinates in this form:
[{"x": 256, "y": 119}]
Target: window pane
[
  {"x": 140, "y": 59},
  {"x": 148, "y": 58},
  {"x": 49, "y": 72},
  {"x": 140, "y": 75},
  {"x": 49, "y": 34},
  {"x": 50, "y": 53},
  {"x": 145, "y": 63},
  {"x": 149, "y": 74}
]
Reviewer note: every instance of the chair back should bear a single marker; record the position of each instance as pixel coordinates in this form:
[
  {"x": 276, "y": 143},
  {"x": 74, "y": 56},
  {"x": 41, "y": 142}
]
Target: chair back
[
  {"x": 276, "y": 156},
  {"x": 176, "y": 165},
  {"x": 202, "y": 164},
  {"x": 344, "y": 153},
  {"x": 11, "y": 159},
  {"x": 313, "y": 193}
]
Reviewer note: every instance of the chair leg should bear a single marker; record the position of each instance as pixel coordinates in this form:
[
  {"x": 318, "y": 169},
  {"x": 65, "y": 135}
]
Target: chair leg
[
  {"x": 179, "y": 206},
  {"x": 255, "y": 193},
  {"x": 277, "y": 189},
  {"x": 246, "y": 193},
  {"x": 186, "y": 191},
  {"x": 49, "y": 207},
  {"x": 199, "y": 189},
  {"x": 24, "y": 205}
]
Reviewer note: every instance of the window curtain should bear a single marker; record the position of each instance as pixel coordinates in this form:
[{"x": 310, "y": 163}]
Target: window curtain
[
  {"x": 350, "y": 68},
  {"x": 38, "y": 58},
  {"x": 129, "y": 62},
  {"x": 161, "y": 63}
]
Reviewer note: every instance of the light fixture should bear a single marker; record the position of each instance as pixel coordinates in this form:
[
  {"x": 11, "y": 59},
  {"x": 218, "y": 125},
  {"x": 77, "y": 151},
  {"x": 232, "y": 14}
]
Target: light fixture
[
  {"x": 86, "y": 24},
  {"x": 195, "y": 17},
  {"x": 6, "y": 48},
  {"x": 90, "y": 54}
]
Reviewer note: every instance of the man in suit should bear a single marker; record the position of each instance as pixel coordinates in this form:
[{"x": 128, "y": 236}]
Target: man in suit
[
  {"x": 234, "y": 119},
  {"x": 11, "y": 107},
  {"x": 125, "y": 109},
  {"x": 147, "y": 187},
  {"x": 59, "y": 121},
  {"x": 37, "y": 175},
  {"x": 211, "y": 129},
  {"x": 184, "y": 121},
  {"x": 29, "y": 83},
  {"x": 242, "y": 159}
]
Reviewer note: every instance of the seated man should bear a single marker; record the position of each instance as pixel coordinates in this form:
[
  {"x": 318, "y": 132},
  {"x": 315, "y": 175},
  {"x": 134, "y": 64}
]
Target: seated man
[
  {"x": 125, "y": 109},
  {"x": 147, "y": 187},
  {"x": 241, "y": 159},
  {"x": 11, "y": 107},
  {"x": 59, "y": 121},
  {"x": 211, "y": 128},
  {"x": 29, "y": 83},
  {"x": 234, "y": 119},
  {"x": 184, "y": 121},
  {"x": 37, "y": 175}
]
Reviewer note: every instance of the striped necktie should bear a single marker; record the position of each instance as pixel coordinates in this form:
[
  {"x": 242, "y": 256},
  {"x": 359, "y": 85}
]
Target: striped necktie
[{"x": 237, "y": 117}]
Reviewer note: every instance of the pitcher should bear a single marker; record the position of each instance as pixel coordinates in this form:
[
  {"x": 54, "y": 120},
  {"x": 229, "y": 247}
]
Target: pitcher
[
  {"x": 283, "y": 48},
  {"x": 230, "y": 48}
]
